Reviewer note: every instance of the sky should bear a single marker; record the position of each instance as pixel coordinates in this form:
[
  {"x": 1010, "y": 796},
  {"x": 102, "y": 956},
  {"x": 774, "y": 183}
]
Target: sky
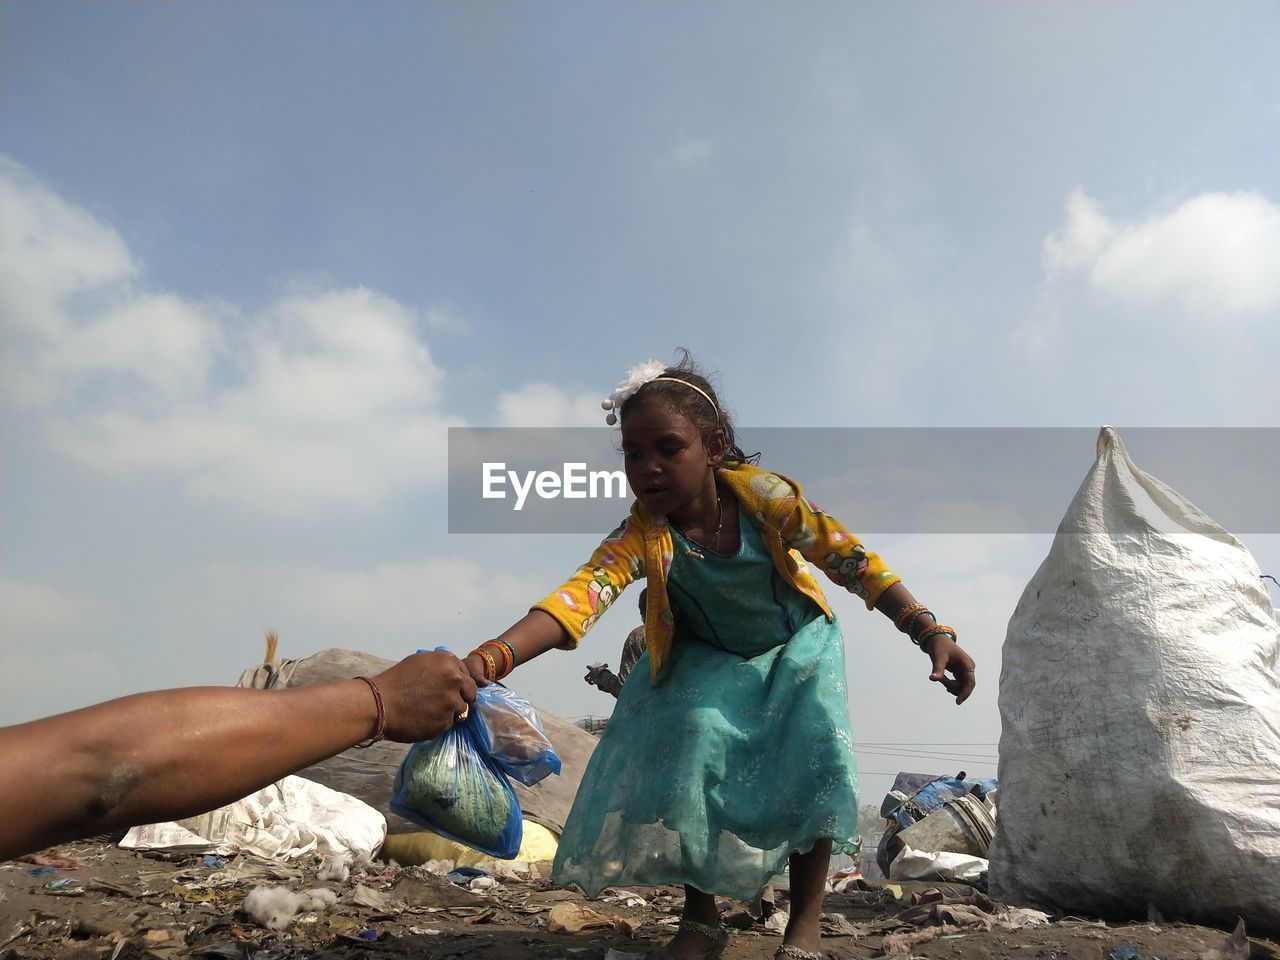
[{"x": 256, "y": 259}]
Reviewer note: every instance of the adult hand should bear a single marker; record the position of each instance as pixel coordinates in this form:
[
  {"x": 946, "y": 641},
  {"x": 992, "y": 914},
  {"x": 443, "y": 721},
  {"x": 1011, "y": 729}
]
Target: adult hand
[
  {"x": 948, "y": 657},
  {"x": 424, "y": 694}
]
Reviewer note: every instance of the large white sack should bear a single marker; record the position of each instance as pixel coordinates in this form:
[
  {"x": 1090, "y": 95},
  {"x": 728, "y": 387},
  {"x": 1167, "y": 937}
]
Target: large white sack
[
  {"x": 283, "y": 821},
  {"x": 1140, "y": 711}
]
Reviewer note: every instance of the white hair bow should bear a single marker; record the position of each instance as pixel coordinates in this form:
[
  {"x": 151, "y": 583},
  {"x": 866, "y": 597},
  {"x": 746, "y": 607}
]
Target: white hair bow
[{"x": 636, "y": 378}]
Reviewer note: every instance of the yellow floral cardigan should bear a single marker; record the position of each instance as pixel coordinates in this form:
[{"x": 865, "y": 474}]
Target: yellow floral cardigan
[{"x": 793, "y": 529}]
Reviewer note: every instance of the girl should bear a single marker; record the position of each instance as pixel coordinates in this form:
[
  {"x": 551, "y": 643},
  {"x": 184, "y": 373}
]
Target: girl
[{"x": 729, "y": 751}]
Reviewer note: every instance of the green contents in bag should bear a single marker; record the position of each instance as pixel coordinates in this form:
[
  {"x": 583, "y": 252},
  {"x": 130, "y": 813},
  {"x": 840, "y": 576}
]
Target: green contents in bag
[{"x": 456, "y": 793}]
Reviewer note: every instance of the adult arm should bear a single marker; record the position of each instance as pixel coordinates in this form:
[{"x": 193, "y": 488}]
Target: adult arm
[{"x": 177, "y": 753}]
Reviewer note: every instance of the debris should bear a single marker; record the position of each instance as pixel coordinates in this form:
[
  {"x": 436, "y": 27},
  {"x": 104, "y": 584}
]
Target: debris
[
  {"x": 1015, "y": 918},
  {"x": 1236, "y": 947},
  {"x": 613, "y": 954},
  {"x": 738, "y": 920},
  {"x": 213, "y": 862},
  {"x": 51, "y": 858},
  {"x": 65, "y": 887},
  {"x": 335, "y": 868},
  {"x": 285, "y": 820},
  {"x": 973, "y": 912},
  {"x": 575, "y": 917},
  {"x": 463, "y": 876},
  {"x": 373, "y": 899},
  {"x": 764, "y": 905},
  {"x": 506, "y": 870},
  {"x": 838, "y": 925},
  {"x": 900, "y": 944},
  {"x": 913, "y": 864},
  {"x": 777, "y": 921},
  {"x": 275, "y": 907},
  {"x": 1127, "y": 951},
  {"x": 626, "y": 897}
]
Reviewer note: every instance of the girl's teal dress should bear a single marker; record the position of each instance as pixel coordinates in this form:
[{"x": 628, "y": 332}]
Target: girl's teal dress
[{"x": 741, "y": 756}]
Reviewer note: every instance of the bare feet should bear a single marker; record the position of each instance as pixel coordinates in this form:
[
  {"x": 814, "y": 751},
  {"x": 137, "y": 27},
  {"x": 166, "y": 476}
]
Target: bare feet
[{"x": 701, "y": 937}]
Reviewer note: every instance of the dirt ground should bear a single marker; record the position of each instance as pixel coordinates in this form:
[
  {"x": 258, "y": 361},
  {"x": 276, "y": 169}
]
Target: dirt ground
[{"x": 118, "y": 905}]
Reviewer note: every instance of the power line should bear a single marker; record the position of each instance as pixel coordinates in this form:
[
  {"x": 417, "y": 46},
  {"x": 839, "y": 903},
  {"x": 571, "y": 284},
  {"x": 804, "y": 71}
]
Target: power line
[
  {"x": 922, "y": 743},
  {"x": 947, "y": 760},
  {"x": 927, "y": 753}
]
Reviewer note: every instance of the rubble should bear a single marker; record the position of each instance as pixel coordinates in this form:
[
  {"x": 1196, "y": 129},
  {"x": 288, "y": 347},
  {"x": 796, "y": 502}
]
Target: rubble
[{"x": 133, "y": 907}]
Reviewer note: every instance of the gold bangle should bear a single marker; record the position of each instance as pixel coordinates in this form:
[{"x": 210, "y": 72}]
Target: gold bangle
[
  {"x": 490, "y": 665},
  {"x": 900, "y": 621},
  {"x": 507, "y": 665},
  {"x": 935, "y": 630}
]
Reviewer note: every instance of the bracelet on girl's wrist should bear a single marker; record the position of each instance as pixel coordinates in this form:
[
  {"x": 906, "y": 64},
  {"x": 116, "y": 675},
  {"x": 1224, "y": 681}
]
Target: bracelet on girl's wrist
[
  {"x": 908, "y": 613},
  {"x": 489, "y": 665},
  {"x": 938, "y": 629},
  {"x": 498, "y": 658},
  {"x": 914, "y": 627}
]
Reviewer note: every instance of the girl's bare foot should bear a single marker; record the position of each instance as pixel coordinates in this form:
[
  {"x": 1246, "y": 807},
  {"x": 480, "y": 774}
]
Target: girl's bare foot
[{"x": 701, "y": 936}]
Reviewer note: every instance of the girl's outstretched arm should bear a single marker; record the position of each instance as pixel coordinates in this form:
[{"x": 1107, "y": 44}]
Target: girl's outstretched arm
[
  {"x": 946, "y": 654},
  {"x": 532, "y": 635}
]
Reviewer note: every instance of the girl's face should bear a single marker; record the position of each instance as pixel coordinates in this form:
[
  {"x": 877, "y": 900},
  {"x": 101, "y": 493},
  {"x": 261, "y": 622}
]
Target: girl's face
[{"x": 667, "y": 463}]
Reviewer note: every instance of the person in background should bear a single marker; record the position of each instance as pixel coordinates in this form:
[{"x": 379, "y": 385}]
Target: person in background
[
  {"x": 601, "y": 677},
  {"x": 177, "y": 753}
]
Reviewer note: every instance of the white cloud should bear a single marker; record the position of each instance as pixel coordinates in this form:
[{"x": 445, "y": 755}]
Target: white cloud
[
  {"x": 51, "y": 250},
  {"x": 423, "y": 596},
  {"x": 328, "y": 396},
  {"x": 546, "y": 405},
  {"x": 1217, "y": 254},
  {"x": 158, "y": 342},
  {"x": 338, "y": 403}
]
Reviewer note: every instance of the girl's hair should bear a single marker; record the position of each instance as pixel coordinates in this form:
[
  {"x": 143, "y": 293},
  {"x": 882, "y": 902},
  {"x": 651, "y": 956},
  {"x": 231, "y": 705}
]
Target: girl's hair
[{"x": 692, "y": 404}]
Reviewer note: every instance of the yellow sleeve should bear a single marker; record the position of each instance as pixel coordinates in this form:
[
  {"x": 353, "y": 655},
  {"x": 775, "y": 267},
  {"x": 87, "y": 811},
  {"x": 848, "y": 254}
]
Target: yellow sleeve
[
  {"x": 578, "y": 602},
  {"x": 822, "y": 541}
]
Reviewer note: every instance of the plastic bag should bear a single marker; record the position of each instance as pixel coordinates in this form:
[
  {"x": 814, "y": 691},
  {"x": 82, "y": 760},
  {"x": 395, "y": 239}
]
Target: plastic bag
[
  {"x": 519, "y": 743},
  {"x": 453, "y": 786},
  {"x": 1140, "y": 714}
]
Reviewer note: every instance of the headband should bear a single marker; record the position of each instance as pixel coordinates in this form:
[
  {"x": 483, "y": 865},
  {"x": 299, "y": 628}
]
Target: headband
[{"x": 636, "y": 378}]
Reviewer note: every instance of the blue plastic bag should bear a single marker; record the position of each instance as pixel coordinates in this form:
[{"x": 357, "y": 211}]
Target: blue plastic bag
[
  {"x": 453, "y": 786},
  {"x": 519, "y": 742}
]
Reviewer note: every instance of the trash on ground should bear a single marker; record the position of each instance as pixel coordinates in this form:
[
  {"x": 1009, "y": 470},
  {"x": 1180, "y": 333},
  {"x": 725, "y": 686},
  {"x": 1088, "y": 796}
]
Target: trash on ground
[{"x": 286, "y": 820}]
